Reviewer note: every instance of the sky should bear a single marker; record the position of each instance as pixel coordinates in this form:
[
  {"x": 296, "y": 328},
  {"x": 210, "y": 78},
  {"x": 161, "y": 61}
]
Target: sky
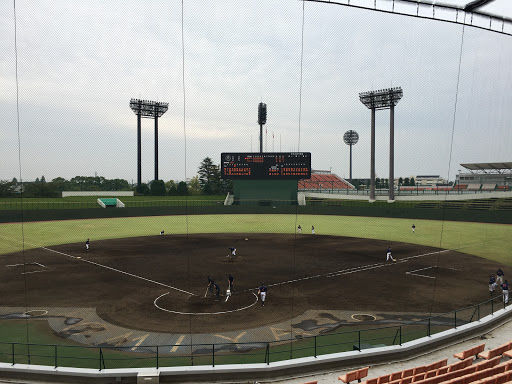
[{"x": 80, "y": 63}]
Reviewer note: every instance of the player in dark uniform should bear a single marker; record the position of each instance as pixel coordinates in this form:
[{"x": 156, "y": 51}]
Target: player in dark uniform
[
  {"x": 217, "y": 291},
  {"x": 87, "y": 244},
  {"x": 388, "y": 255},
  {"x": 232, "y": 252},
  {"x": 299, "y": 229},
  {"x": 413, "y": 228},
  {"x": 231, "y": 280},
  {"x": 492, "y": 284},
  {"x": 209, "y": 290},
  {"x": 262, "y": 291},
  {"x": 499, "y": 276},
  {"x": 504, "y": 289}
]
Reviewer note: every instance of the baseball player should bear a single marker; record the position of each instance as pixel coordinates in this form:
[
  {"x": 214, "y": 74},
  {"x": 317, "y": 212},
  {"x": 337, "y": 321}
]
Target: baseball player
[
  {"x": 87, "y": 244},
  {"x": 262, "y": 291},
  {"x": 233, "y": 252},
  {"x": 217, "y": 291},
  {"x": 413, "y": 228},
  {"x": 312, "y": 230},
  {"x": 209, "y": 290},
  {"x": 162, "y": 232},
  {"x": 504, "y": 289},
  {"x": 499, "y": 276},
  {"x": 492, "y": 284},
  {"x": 299, "y": 229},
  {"x": 231, "y": 280},
  {"x": 388, "y": 255}
]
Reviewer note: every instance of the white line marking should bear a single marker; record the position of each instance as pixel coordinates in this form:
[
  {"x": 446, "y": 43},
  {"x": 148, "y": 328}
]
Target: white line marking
[
  {"x": 26, "y": 273},
  {"x": 203, "y": 313},
  {"x": 41, "y": 265},
  {"x": 417, "y": 274},
  {"x": 118, "y": 270},
  {"x": 421, "y": 269}
]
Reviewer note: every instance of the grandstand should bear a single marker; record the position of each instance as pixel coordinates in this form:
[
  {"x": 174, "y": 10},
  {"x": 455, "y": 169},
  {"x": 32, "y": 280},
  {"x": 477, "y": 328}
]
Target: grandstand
[
  {"x": 323, "y": 180},
  {"x": 485, "y": 176}
]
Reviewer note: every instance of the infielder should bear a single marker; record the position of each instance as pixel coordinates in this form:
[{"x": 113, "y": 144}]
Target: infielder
[
  {"x": 87, "y": 244},
  {"x": 492, "y": 284},
  {"x": 231, "y": 280},
  {"x": 499, "y": 276},
  {"x": 262, "y": 291},
  {"x": 233, "y": 252},
  {"x": 217, "y": 291},
  {"x": 209, "y": 290},
  {"x": 504, "y": 288},
  {"x": 388, "y": 255}
]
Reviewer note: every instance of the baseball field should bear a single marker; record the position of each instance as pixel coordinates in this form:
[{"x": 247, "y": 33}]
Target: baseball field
[{"x": 136, "y": 288}]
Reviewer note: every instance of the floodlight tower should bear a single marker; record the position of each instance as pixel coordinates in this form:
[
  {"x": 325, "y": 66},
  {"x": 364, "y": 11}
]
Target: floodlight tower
[
  {"x": 151, "y": 110},
  {"x": 351, "y": 138},
  {"x": 382, "y": 99},
  {"x": 262, "y": 120}
]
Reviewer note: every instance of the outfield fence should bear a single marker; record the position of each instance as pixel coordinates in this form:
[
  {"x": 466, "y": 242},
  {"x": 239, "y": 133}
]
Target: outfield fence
[{"x": 158, "y": 356}]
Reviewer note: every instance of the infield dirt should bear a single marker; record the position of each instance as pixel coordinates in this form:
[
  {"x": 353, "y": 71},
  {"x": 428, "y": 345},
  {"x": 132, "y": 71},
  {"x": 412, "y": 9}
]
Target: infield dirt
[{"x": 123, "y": 278}]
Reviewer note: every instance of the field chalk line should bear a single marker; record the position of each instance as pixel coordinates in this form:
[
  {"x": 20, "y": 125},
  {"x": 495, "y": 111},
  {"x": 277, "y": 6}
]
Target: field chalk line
[{"x": 123, "y": 272}]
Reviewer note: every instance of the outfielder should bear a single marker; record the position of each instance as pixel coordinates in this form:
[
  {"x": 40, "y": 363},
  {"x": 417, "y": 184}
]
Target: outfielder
[
  {"x": 87, "y": 244},
  {"x": 262, "y": 291},
  {"x": 312, "y": 230},
  {"x": 299, "y": 229},
  {"x": 388, "y": 255},
  {"x": 413, "y": 228}
]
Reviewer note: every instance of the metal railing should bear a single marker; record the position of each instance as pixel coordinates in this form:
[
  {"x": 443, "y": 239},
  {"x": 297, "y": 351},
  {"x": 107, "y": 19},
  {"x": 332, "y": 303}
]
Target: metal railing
[{"x": 157, "y": 356}]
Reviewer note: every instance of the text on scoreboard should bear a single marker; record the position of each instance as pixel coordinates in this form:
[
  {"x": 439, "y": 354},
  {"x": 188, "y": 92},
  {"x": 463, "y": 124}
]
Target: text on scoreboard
[{"x": 266, "y": 166}]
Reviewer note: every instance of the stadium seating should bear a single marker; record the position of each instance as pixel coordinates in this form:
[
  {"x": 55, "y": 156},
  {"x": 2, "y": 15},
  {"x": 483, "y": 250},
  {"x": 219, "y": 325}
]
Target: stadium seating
[
  {"x": 354, "y": 375},
  {"x": 496, "y": 351},
  {"x": 470, "y": 352}
]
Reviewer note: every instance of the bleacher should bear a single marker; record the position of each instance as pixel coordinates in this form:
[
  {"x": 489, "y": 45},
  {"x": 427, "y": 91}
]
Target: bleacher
[
  {"x": 452, "y": 204},
  {"x": 481, "y": 204},
  {"x": 474, "y": 365},
  {"x": 323, "y": 181}
]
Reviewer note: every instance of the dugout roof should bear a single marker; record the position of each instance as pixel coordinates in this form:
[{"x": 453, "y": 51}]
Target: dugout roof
[{"x": 488, "y": 167}]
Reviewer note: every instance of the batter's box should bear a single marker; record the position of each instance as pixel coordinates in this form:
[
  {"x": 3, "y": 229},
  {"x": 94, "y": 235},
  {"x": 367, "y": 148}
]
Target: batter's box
[
  {"x": 27, "y": 268},
  {"x": 433, "y": 272}
]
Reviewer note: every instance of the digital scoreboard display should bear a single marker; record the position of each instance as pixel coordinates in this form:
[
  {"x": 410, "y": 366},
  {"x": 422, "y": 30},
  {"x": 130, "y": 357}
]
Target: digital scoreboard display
[{"x": 266, "y": 166}]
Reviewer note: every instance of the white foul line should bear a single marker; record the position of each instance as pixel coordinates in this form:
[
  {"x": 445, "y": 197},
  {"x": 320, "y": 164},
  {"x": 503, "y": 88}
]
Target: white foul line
[{"x": 118, "y": 270}]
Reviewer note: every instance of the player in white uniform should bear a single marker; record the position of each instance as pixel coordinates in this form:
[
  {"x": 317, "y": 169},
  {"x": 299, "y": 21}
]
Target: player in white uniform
[
  {"x": 87, "y": 244},
  {"x": 262, "y": 291}
]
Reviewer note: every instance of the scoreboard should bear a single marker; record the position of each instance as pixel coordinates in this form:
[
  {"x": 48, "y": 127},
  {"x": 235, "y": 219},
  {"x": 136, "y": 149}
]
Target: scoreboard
[{"x": 266, "y": 166}]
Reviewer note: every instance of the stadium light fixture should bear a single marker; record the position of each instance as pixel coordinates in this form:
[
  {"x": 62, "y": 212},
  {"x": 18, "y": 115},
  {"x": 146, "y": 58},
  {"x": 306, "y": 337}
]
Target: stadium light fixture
[{"x": 148, "y": 109}]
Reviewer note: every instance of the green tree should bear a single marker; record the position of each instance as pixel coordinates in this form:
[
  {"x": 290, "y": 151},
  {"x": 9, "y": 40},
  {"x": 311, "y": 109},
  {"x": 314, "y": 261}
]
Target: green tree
[
  {"x": 182, "y": 188},
  {"x": 171, "y": 187},
  {"x": 194, "y": 187},
  {"x": 157, "y": 188},
  {"x": 413, "y": 182},
  {"x": 6, "y": 188},
  {"x": 406, "y": 181},
  {"x": 209, "y": 177}
]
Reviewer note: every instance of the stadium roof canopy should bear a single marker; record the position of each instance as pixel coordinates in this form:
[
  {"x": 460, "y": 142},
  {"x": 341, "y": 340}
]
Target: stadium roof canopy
[
  {"x": 489, "y": 167},
  {"x": 492, "y": 15}
]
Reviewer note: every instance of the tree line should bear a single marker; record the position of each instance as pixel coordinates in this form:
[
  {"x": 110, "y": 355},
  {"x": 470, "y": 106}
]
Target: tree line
[{"x": 208, "y": 181}]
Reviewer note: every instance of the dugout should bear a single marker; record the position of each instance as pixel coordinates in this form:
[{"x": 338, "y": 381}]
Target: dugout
[{"x": 265, "y": 192}]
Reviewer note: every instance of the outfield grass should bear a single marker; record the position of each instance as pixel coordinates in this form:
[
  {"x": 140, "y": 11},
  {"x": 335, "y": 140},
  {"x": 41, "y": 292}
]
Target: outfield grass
[{"x": 490, "y": 241}]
